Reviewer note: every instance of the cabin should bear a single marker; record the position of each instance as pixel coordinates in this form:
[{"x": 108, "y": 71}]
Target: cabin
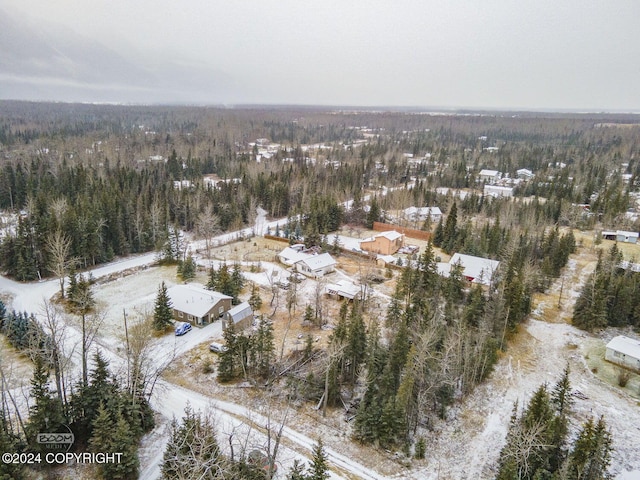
[
  {"x": 195, "y": 304},
  {"x": 316, "y": 265},
  {"x": 624, "y": 351},
  {"x": 241, "y": 316},
  {"x": 385, "y": 243}
]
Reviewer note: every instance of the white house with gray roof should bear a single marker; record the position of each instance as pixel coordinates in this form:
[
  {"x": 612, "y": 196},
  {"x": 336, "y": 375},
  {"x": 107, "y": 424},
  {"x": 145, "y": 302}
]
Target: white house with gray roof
[
  {"x": 316, "y": 265},
  {"x": 624, "y": 351}
]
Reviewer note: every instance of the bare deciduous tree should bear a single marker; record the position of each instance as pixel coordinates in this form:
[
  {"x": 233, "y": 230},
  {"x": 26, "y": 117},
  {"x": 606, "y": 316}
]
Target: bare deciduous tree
[{"x": 58, "y": 247}]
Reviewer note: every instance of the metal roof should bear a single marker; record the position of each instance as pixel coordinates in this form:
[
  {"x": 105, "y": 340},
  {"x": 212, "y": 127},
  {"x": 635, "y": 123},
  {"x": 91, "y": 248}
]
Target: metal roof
[
  {"x": 625, "y": 345},
  {"x": 194, "y": 299}
]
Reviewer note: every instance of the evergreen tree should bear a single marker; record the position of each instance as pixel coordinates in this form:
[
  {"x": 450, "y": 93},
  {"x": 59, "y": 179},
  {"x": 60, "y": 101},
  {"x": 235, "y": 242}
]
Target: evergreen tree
[
  {"x": 10, "y": 442},
  {"x": 374, "y": 213},
  {"x": 591, "y": 454},
  {"x": 254, "y": 300},
  {"x": 438, "y": 234},
  {"x": 319, "y": 467},
  {"x": 192, "y": 450},
  {"x": 162, "y": 313},
  {"x": 227, "y": 363},
  {"x": 450, "y": 233},
  {"x": 187, "y": 268},
  {"x": 46, "y": 413}
]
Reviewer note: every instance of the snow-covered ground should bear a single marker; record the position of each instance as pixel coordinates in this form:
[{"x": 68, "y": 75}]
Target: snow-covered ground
[{"x": 464, "y": 447}]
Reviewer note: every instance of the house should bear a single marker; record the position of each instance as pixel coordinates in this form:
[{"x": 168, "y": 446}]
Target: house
[
  {"x": 421, "y": 213},
  {"x": 316, "y": 265},
  {"x": 385, "y": 243},
  {"x": 475, "y": 269},
  {"x": 344, "y": 289},
  {"x": 241, "y": 316},
  {"x": 291, "y": 255},
  {"x": 621, "y": 236},
  {"x": 496, "y": 191},
  {"x": 195, "y": 304},
  {"x": 307, "y": 261},
  {"x": 624, "y": 351},
  {"x": 489, "y": 176}
]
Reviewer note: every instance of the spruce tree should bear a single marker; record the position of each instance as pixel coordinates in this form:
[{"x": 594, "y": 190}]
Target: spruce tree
[
  {"x": 319, "y": 466},
  {"x": 45, "y": 414},
  {"x": 187, "y": 268},
  {"x": 162, "y": 313},
  {"x": 254, "y": 300},
  {"x": 591, "y": 454}
]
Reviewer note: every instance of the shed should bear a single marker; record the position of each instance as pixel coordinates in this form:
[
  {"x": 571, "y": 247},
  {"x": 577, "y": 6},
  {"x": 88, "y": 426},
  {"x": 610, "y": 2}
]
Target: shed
[
  {"x": 628, "y": 237},
  {"x": 241, "y": 316},
  {"x": 343, "y": 288},
  {"x": 624, "y": 351}
]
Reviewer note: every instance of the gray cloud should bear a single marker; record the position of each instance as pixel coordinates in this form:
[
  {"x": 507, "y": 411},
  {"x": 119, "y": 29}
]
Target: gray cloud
[{"x": 496, "y": 53}]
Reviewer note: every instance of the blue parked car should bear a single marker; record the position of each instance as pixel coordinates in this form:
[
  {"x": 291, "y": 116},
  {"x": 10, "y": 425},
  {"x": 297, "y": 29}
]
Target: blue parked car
[{"x": 183, "y": 328}]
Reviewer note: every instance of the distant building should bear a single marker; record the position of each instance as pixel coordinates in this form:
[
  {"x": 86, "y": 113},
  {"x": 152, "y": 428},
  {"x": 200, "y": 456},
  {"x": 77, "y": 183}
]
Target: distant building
[
  {"x": 621, "y": 236},
  {"x": 624, "y": 351},
  {"x": 475, "y": 269},
  {"x": 496, "y": 191},
  {"x": 241, "y": 316},
  {"x": 489, "y": 176},
  {"x": 385, "y": 243},
  {"x": 195, "y": 304},
  {"x": 415, "y": 214},
  {"x": 525, "y": 174}
]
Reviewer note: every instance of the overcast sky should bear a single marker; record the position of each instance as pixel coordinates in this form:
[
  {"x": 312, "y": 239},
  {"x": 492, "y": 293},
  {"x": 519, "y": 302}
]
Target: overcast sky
[{"x": 567, "y": 54}]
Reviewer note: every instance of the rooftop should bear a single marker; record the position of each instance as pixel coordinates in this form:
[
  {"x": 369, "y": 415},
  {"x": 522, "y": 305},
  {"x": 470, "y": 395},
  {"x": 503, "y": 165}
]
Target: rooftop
[{"x": 194, "y": 299}]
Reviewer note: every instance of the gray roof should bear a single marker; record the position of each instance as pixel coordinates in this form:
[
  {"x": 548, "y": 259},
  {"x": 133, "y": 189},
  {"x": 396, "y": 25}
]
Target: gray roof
[
  {"x": 194, "y": 299},
  {"x": 480, "y": 269},
  {"x": 316, "y": 262},
  {"x": 240, "y": 312},
  {"x": 626, "y": 345}
]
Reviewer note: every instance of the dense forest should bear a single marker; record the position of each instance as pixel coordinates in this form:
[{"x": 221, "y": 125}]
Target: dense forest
[{"x": 83, "y": 184}]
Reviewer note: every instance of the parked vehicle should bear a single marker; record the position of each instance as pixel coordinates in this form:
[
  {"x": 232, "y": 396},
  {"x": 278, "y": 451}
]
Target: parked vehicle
[
  {"x": 217, "y": 347},
  {"x": 182, "y": 328}
]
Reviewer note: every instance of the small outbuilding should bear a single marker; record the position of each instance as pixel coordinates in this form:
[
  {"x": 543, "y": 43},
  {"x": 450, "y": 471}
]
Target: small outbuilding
[
  {"x": 624, "y": 351},
  {"x": 241, "y": 316},
  {"x": 343, "y": 289},
  {"x": 621, "y": 236}
]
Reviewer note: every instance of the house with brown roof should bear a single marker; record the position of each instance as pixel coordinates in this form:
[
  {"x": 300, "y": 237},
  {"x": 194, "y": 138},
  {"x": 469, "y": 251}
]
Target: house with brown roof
[{"x": 385, "y": 243}]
